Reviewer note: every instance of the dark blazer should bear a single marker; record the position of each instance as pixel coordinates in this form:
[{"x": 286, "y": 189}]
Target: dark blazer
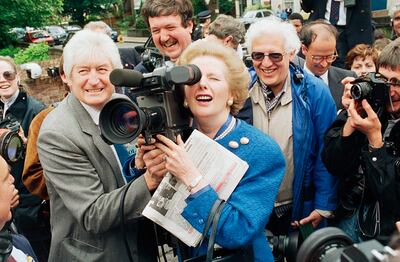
[
  {"x": 335, "y": 76},
  {"x": 23, "y": 110},
  {"x": 85, "y": 187},
  {"x": 358, "y": 19}
]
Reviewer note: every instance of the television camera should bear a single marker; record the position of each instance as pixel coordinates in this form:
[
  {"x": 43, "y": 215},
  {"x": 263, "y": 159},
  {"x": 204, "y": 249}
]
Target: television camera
[{"x": 159, "y": 108}]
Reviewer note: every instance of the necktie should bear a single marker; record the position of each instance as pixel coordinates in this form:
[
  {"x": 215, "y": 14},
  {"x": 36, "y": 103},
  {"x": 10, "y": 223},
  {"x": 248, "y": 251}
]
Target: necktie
[{"x": 334, "y": 17}]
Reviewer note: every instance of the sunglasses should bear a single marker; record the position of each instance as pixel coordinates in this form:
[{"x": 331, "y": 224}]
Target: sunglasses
[
  {"x": 9, "y": 75},
  {"x": 274, "y": 57}
]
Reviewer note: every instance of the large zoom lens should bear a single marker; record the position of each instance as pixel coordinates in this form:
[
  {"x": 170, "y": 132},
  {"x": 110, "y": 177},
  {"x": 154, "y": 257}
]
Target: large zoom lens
[
  {"x": 121, "y": 120},
  {"x": 360, "y": 91},
  {"x": 11, "y": 146}
]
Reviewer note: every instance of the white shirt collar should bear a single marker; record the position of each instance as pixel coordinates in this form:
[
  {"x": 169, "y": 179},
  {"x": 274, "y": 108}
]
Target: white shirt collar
[
  {"x": 324, "y": 76},
  {"x": 9, "y": 101},
  {"x": 93, "y": 112}
]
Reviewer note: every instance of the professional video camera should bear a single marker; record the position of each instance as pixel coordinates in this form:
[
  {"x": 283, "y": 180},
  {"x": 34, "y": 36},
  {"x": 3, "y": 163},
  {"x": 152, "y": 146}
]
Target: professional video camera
[
  {"x": 333, "y": 245},
  {"x": 11, "y": 144},
  {"x": 372, "y": 87},
  {"x": 160, "y": 98}
]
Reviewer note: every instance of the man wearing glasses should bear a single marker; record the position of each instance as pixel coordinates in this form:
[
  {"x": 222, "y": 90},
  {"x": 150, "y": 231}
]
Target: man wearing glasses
[
  {"x": 319, "y": 49},
  {"x": 295, "y": 109},
  {"x": 352, "y": 18},
  {"x": 362, "y": 142}
]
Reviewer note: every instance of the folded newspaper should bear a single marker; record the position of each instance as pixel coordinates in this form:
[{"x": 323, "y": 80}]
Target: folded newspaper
[{"x": 219, "y": 167}]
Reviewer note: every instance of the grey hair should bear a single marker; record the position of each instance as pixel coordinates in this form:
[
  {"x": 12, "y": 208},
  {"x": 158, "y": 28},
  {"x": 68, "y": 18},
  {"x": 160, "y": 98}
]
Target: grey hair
[
  {"x": 226, "y": 25},
  {"x": 99, "y": 26},
  {"x": 275, "y": 26},
  {"x": 394, "y": 11},
  {"x": 86, "y": 44}
]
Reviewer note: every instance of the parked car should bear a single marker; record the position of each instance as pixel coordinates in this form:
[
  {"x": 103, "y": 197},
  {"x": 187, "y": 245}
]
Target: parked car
[
  {"x": 18, "y": 32},
  {"x": 253, "y": 15},
  {"x": 58, "y": 33},
  {"x": 72, "y": 28},
  {"x": 39, "y": 36}
]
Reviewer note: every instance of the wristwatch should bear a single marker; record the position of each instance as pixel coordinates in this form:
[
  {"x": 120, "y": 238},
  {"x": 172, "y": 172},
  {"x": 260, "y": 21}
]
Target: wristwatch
[{"x": 194, "y": 182}]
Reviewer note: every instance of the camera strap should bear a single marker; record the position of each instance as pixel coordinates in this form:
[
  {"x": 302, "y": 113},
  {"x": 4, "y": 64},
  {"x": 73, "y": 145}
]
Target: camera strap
[{"x": 369, "y": 218}]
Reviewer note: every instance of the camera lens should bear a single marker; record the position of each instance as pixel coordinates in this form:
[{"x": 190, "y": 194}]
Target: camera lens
[
  {"x": 121, "y": 121},
  {"x": 360, "y": 91},
  {"x": 14, "y": 148},
  {"x": 11, "y": 147}
]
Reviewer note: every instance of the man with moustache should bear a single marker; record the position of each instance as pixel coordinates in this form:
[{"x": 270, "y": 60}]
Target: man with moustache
[
  {"x": 362, "y": 142},
  {"x": 170, "y": 23}
]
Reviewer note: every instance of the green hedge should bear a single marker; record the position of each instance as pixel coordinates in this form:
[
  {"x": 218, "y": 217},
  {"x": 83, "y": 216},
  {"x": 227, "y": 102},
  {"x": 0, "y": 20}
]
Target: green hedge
[
  {"x": 9, "y": 51},
  {"x": 35, "y": 52},
  {"x": 140, "y": 23}
]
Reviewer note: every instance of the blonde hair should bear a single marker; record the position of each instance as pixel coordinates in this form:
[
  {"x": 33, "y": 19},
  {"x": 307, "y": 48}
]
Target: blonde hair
[
  {"x": 11, "y": 62},
  {"x": 238, "y": 78}
]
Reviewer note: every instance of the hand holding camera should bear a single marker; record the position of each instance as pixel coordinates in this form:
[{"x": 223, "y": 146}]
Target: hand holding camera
[
  {"x": 365, "y": 99},
  {"x": 370, "y": 125}
]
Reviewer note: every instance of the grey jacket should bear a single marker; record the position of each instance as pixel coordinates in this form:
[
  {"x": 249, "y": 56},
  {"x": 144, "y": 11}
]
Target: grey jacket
[{"x": 86, "y": 188}]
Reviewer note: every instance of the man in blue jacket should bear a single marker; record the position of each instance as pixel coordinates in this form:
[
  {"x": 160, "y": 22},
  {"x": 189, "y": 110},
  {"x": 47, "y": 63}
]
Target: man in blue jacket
[{"x": 295, "y": 109}]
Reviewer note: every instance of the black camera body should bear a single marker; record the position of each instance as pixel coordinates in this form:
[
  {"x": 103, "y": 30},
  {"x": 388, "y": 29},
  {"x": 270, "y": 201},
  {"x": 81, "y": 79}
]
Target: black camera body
[
  {"x": 333, "y": 245},
  {"x": 372, "y": 87},
  {"x": 159, "y": 108},
  {"x": 152, "y": 59}
]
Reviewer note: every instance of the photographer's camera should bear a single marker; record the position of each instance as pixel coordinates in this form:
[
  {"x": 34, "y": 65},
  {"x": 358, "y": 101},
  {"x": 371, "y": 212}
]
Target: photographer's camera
[{"x": 372, "y": 87}]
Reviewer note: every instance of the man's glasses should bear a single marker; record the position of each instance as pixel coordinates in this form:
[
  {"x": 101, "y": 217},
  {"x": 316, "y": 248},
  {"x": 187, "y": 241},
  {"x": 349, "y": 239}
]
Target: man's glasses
[
  {"x": 320, "y": 58},
  {"x": 9, "y": 75},
  {"x": 274, "y": 57}
]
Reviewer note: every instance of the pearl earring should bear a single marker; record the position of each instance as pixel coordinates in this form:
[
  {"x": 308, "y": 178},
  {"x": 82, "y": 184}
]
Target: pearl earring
[
  {"x": 229, "y": 102},
  {"x": 185, "y": 104}
]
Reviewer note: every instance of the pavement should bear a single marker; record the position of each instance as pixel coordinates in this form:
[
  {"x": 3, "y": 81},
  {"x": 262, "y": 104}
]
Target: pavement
[{"x": 131, "y": 39}]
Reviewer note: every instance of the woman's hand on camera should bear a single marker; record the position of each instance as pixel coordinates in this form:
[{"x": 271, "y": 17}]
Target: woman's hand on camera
[{"x": 177, "y": 160}]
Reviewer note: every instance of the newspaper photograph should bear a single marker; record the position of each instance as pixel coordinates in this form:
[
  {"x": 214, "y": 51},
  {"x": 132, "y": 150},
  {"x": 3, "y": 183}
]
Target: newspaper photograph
[{"x": 220, "y": 168}]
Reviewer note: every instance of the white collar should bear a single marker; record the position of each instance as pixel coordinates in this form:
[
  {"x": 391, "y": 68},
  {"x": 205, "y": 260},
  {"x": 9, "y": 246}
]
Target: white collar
[
  {"x": 324, "y": 76},
  {"x": 9, "y": 101},
  {"x": 93, "y": 112}
]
